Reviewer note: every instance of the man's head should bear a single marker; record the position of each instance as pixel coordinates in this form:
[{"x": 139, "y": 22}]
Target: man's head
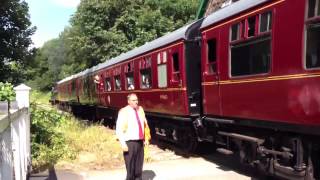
[{"x": 132, "y": 100}]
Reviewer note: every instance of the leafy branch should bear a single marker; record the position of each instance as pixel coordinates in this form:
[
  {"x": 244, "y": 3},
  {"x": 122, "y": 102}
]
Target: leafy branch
[{"x": 7, "y": 93}]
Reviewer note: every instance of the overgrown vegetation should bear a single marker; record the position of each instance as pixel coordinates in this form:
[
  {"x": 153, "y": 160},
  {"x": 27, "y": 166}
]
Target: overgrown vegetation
[
  {"x": 39, "y": 97},
  {"x": 59, "y": 138},
  {"x": 48, "y": 143},
  {"x": 7, "y": 94}
]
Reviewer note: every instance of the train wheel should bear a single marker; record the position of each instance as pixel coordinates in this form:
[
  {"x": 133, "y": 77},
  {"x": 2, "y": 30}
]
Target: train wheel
[
  {"x": 189, "y": 141},
  {"x": 309, "y": 170}
]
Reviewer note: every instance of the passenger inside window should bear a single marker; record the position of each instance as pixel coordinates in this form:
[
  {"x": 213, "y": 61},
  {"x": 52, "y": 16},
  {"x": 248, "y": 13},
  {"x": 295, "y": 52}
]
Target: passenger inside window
[
  {"x": 107, "y": 84},
  {"x": 117, "y": 83},
  {"x": 130, "y": 85},
  {"x": 146, "y": 82}
]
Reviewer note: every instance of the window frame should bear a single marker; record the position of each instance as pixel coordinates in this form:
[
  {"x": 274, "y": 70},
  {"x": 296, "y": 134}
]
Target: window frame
[
  {"x": 309, "y": 21},
  {"x": 145, "y": 64},
  {"x": 105, "y": 84},
  {"x": 141, "y": 82},
  {"x": 129, "y": 71},
  {"x": 175, "y": 75},
  {"x": 129, "y": 74},
  {"x": 259, "y": 22},
  {"x": 162, "y": 60},
  {"x": 244, "y": 39},
  {"x": 115, "y": 82},
  {"x": 208, "y": 63}
]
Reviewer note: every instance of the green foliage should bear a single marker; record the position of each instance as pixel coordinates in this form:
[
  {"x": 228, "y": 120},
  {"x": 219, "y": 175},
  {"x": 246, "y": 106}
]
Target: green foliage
[
  {"x": 108, "y": 28},
  {"x": 40, "y": 97},
  {"x": 48, "y": 142},
  {"x": 58, "y": 138},
  {"x": 104, "y": 29},
  {"x": 15, "y": 33},
  {"x": 6, "y": 92}
]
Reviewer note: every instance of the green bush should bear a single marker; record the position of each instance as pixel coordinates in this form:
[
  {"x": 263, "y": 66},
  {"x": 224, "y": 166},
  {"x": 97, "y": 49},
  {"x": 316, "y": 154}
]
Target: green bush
[
  {"x": 48, "y": 143},
  {"x": 6, "y": 92}
]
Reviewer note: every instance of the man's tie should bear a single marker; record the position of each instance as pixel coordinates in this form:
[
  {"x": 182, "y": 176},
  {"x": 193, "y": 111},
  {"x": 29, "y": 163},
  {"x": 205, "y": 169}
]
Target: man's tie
[{"x": 139, "y": 124}]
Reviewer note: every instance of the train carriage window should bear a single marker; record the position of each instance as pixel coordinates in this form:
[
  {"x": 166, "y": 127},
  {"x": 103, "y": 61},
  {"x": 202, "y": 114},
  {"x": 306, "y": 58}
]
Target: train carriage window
[
  {"x": 318, "y": 8},
  {"x": 176, "y": 67},
  {"x": 107, "y": 84},
  {"x": 313, "y": 35},
  {"x": 117, "y": 83},
  {"x": 265, "y": 22},
  {"x": 162, "y": 76},
  {"x": 311, "y": 8},
  {"x": 235, "y": 32},
  {"x": 251, "y": 26},
  {"x": 212, "y": 55},
  {"x": 243, "y": 29},
  {"x": 129, "y": 81},
  {"x": 250, "y": 58},
  {"x": 145, "y": 78}
]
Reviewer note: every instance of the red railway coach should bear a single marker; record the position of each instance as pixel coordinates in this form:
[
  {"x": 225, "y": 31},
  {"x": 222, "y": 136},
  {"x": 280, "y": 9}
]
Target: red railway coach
[
  {"x": 245, "y": 78},
  {"x": 260, "y": 83},
  {"x": 164, "y": 73}
]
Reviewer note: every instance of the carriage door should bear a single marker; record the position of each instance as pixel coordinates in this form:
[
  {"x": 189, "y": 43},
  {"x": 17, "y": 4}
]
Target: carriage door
[{"x": 210, "y": 64}]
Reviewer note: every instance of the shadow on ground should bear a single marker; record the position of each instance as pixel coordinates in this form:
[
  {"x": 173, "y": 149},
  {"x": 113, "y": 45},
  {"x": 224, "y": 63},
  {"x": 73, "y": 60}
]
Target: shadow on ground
[
  {"x": 148, "y": 175},
  {"x": 225, "y": 162},
  {"x": 53, "y": 174}
]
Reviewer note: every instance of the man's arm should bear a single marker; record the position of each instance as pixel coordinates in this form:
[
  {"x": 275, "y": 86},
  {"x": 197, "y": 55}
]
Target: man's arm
[
  {"x": 147, "y": 135},
  {"x": 121, "y": 127}
]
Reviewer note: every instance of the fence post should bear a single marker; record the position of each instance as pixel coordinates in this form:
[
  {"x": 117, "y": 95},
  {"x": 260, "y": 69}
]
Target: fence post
[
  {"x": 21, "y": 134},
  {"x": 22, "y": 95}
]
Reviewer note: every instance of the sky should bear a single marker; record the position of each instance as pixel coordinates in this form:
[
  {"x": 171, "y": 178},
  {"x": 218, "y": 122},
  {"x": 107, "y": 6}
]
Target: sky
[{"x": 50, "y": 17}]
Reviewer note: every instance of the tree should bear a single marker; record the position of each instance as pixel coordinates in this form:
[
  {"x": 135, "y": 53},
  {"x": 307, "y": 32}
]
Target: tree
[
  {"x": 15, "y": 32},
  {"x": 105, "y": 29}
]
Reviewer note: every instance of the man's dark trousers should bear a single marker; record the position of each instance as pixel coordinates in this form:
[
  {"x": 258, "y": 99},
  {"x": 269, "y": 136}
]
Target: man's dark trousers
[{"x": 134, "y": 159}]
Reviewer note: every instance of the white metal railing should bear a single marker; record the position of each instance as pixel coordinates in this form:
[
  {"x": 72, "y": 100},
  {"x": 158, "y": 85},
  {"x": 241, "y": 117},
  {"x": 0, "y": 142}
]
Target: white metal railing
[{"x": 15, "y": 157}]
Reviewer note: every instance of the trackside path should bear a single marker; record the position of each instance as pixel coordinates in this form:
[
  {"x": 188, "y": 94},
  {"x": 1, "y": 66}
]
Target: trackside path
[{"x": 179, "y": 169}]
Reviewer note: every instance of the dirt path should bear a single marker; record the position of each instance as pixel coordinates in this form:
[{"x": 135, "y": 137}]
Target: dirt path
[{"x": 168, "y": 165}]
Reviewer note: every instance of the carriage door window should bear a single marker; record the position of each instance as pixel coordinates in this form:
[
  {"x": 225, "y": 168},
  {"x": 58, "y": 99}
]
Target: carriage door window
[
  {"x": 145, "y": 73},
  {"x": 176, "y": 67},
  {"x": 313, "y": 35},
  {"x": 265, "y": 22},
  {"x": 162, "y": 71},
  {"x": 251, "y": 26},
  {"x": 117, "y": 83},
  {"x": 212, "y": 56},
  {"x": 107, "y": 84},
  {"x": 129, "y": 76}
]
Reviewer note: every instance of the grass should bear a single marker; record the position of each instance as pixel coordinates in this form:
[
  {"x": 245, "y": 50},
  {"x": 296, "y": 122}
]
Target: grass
[
  {"x": 40, "y": 97},
  {"x": 88, "y": 147},
  {"x": 95, "y": 147}
]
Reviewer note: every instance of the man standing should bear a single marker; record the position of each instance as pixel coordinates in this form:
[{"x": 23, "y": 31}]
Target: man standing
[{"x": 130, "y": 132}]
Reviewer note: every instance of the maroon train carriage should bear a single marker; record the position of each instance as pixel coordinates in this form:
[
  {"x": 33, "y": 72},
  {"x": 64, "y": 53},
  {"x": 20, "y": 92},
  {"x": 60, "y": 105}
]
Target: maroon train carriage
[
  {"x": 164, "y": 73},
  {"x": 260, "y": 84},
  {"x": 245, "y": 77}
]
